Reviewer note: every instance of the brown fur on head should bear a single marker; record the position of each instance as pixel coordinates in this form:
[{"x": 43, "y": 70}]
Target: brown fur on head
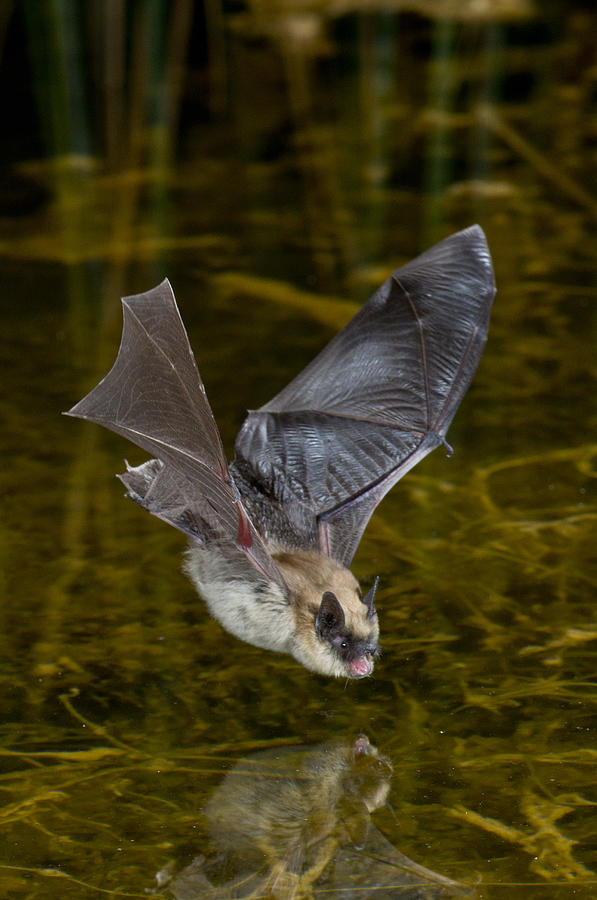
[{"x": 336, "y": 631}]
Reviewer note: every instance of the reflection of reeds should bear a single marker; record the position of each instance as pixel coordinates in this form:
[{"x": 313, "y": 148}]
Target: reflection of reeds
[
  {"x": 108, "y": 79},
  {"x": 551, "y": 171},
  {"x": 109, "y": 84}
]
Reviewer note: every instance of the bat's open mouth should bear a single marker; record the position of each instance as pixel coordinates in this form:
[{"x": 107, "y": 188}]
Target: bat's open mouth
[{"x": 361, "y": 667}]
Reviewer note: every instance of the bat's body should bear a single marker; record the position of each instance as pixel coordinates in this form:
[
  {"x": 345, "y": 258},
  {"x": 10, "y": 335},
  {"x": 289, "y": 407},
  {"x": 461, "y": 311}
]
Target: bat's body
[
  {"x": 272, "y": 535},
  {"x": 266, "y": 615}
]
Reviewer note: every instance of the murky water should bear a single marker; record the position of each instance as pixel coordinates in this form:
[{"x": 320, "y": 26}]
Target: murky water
[{"x": 276, "y": 164}]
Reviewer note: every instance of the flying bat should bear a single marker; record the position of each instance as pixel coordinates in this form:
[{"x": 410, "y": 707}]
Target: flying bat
[{"x": 272, "y": 534}]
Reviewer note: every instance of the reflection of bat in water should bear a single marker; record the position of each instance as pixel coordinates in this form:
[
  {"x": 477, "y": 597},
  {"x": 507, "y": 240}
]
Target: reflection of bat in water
[
  {"x": 272, "y": 535},
  {"x": 296, "y": 822},
  {"x": 284, "y": 806}
]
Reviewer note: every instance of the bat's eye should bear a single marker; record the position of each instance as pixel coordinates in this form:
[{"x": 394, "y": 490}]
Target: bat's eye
[{"x": 340, "y": 643}]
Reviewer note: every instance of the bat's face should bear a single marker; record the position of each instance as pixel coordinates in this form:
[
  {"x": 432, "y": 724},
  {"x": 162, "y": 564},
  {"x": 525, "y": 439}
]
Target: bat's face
[
  {"x": 348, "y": 633},
  {"x": 337, "y": 630}
]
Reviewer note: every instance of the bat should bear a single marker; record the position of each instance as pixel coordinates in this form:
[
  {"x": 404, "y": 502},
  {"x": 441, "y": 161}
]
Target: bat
[{"x": 272, "y": 535}]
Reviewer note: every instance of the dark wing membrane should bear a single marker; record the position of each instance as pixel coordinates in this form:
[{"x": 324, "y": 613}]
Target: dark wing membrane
[
  {"x": 154, "y": 396},
  {"x": 374, "y": 402}
]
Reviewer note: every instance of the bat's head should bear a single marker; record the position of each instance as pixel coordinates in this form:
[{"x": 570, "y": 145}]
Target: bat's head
[
  {"x": 349, "y": 634},
  {"x": 337, "y": 630}
]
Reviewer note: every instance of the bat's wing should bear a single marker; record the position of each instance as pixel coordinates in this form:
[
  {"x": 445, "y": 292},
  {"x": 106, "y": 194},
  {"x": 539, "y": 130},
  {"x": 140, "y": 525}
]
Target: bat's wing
[
  {"x": 379, "y": 397},
  {"x": 153, "y": 395}
]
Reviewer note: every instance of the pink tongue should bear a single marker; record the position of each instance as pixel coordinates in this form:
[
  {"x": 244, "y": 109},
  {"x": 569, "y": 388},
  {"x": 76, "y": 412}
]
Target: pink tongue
[{"x": 361, "y": 666}]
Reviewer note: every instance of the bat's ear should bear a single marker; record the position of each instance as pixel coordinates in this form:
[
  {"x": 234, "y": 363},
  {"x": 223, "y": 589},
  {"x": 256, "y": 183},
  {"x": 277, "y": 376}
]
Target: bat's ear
[
  {"x": 330, "y": 618},
  {"x": 370, "y": 597}
]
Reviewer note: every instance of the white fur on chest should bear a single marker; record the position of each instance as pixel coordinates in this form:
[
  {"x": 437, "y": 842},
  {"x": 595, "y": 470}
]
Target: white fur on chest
[{"x": 253, "y": 610}]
